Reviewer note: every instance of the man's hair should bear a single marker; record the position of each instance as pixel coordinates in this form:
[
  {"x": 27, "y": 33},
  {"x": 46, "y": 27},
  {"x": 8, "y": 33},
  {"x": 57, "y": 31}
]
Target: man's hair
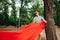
[{"x": 36, "y": 11}]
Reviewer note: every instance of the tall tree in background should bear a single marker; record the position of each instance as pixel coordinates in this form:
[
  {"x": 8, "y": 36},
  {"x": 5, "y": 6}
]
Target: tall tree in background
[
  {"x": 50, "y": 29},
  {"x": 5, "y": 11},
  {"x": 57, "y": 9},
  {"x": 23, "y": 12},
  {"x": 1, "y": 13},
  {"x": 14, "y": 14}
]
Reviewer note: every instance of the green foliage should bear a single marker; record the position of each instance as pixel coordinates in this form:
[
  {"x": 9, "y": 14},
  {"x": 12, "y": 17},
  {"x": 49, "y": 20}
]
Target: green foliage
[
  {"x": 56, "y": 11},
  {"x": 0, "y": 0},
  {"x": 4, "y": 17},
  {"x": 12, "y": 21},
  {"x": 4, "y": 11},
  {"x": 23, "y": 12},
  {"x": 26, "y": 14}
]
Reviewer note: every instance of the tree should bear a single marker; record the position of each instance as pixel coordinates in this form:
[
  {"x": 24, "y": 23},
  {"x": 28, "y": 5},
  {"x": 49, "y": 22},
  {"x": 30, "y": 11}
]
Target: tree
[
  {"x": 57, "y": 9},
  {"x": 14, "y": 12},
  {"x": 5, "y": 11},
  {"x": 23, "y": 12},
  {"x": 48, "y": 13}
]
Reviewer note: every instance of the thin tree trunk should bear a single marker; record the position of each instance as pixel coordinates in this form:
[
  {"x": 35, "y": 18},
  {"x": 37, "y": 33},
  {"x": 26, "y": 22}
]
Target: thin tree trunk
[
  {"x": 50, "y": 29},
  {"x": 5, "y": 11},
  {"x": 20, "y": 15},
  {"x": 58, "y": 16}
]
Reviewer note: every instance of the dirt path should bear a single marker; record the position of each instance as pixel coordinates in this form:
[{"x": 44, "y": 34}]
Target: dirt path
[{"x": 58, "y": 33}]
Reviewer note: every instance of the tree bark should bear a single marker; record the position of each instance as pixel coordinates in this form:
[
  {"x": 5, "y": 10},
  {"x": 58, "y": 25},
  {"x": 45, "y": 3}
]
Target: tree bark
[{"x": 48, "y": 13}]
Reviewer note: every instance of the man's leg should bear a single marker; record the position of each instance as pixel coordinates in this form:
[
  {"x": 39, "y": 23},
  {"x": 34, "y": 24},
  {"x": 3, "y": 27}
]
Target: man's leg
[{"x": 38, "y": 37}]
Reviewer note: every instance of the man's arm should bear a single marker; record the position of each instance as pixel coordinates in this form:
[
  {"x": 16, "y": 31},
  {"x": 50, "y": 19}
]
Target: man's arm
[{"x": 44, "y": 20}]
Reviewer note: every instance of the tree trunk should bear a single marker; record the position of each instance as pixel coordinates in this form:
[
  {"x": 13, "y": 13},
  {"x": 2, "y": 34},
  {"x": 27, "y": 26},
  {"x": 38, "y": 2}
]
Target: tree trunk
[
  {"x": 5, "y": 11},
  {"x": 50, "y": 29},
  {"x": 14, "y": 12}
]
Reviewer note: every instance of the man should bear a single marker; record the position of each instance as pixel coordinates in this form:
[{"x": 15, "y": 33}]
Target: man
[{"x": 36, "y": 19}]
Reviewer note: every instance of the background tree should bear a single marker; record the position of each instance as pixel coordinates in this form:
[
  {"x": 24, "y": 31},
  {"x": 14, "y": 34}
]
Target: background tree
[
  {"x": 13, "y": 13},
  {"x": 23, "y": 12},
  {"x": 57, "y": 11},
  {"x": 4, "y": 12},
  {"x": 50, "y": 29}
]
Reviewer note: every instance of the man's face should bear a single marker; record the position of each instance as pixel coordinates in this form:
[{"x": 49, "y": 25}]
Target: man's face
[{"x": 37, "y": 13}]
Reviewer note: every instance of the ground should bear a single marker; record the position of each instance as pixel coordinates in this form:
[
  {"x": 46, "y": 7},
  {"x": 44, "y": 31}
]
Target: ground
[
  {"x": 43, "y": 36},
  {"x": 58, "y": 33}
]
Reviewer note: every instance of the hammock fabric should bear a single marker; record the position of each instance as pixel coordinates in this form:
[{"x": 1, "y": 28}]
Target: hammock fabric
[{"x": 28, "y": 32}]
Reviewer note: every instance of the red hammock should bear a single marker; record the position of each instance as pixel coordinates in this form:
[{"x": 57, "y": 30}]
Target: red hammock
[{"x": 28, "y": 32}]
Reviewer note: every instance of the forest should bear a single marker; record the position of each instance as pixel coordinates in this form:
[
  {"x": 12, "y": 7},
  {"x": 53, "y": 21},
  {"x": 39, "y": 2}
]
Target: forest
[{"x": 21, "y": 12}]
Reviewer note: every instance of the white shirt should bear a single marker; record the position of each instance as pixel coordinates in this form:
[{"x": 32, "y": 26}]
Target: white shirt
[{"x": 38, "y": 19}]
